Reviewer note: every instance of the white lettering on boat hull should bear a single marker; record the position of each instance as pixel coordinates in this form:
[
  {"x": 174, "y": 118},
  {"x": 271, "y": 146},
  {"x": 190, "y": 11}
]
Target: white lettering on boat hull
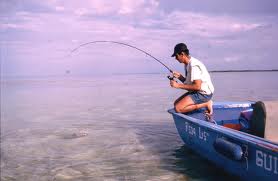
[
  {"x": 266, "y": 161},
  {"x": 191, "y": 130}
]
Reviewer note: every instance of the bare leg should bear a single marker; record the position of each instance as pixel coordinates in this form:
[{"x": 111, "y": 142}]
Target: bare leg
[
  {"x": 182, "y": 104},
  {"x": 180, "y": 98},
  {"x": 207, "y": 105},
  {"x": 186, "y": 104}
]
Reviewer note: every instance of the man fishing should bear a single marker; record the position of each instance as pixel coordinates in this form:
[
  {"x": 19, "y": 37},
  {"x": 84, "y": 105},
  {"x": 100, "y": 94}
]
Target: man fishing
[{"x": 197, "y": 82}]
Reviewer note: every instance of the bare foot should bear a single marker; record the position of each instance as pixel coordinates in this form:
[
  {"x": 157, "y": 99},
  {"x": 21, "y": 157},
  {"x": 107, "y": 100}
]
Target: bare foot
[{"x": 209, "y": 111}]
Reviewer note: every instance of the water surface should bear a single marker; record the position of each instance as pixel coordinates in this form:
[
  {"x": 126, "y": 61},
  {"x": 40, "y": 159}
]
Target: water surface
[{"x": 107, "y": 128}]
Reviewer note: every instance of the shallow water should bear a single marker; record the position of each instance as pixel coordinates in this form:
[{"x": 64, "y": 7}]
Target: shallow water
[{"x": 107, "y": 128}]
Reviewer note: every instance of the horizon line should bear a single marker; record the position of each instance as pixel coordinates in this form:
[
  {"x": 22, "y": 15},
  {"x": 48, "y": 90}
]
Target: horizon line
[
  {"x": 138, "y": 73},
  {"x": 246, "y": 70}
]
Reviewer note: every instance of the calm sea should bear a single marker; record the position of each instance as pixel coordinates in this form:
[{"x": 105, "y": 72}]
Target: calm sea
[{"x": 108, "y": 128}]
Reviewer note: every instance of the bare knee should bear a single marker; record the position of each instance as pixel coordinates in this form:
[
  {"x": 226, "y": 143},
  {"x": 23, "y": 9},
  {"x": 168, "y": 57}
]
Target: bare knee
[
  {"x": 177, "y": 109},
  {"x": 181, "y": 105}
]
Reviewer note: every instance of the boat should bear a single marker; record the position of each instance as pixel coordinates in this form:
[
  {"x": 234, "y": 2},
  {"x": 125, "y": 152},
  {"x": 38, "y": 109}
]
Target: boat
[{"x": 233, "y": 139}]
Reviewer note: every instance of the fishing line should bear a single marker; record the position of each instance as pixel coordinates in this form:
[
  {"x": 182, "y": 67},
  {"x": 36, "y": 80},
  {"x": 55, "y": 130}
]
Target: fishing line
[{"x": 123, "y": 44}]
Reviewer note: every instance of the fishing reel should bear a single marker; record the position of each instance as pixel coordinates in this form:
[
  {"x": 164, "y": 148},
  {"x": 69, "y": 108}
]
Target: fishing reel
[{"x": 170, "y": 77}]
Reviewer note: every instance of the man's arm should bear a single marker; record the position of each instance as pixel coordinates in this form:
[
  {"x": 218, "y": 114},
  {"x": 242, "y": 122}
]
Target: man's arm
[
  {"x": 195, "y": 86},
  {"x": 179, "y": 76}
]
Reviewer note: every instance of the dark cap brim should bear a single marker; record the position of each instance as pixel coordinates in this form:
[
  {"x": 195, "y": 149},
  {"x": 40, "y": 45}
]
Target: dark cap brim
[{"x": 174, "y": 54}]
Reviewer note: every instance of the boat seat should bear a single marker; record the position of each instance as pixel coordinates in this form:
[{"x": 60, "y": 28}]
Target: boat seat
[{"x": 241, "y": 124}]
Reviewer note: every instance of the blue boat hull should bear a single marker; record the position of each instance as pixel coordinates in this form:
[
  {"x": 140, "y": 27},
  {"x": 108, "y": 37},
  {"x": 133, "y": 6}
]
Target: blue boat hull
[{"x": 239, "y": 153}]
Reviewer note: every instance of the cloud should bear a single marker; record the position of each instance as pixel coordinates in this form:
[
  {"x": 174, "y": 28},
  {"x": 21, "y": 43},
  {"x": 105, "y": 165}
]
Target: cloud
[
  {"x": 105, "y": 8},
  {"x": 206, "y": 25},
  {"x": 232, "y": 59},
  {"x": 9, "y": 25},
  {"x": 140, "y": 6},
  {"x": 190, "y": 23},
  {"x": 81, "y": 11},
  {"x": 59, "y": 8},
  {"x": 232, "y": 8}
]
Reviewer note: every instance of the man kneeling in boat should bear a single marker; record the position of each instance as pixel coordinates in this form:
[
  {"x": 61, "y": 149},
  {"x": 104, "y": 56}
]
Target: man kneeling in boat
[{"x": 197, "y": 82}]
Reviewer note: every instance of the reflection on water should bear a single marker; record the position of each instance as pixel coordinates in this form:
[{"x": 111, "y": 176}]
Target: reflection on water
[
  {"x": 191, "y": 164},
  {"x": 106, "y": 129}
]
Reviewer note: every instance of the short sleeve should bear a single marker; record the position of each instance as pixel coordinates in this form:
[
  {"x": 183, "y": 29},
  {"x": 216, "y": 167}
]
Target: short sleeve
[{"x": 196, "y": 73}]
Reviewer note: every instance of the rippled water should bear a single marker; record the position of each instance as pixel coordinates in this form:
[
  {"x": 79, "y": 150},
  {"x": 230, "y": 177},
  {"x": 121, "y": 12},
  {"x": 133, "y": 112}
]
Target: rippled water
[{"x": 107, "y": 128}]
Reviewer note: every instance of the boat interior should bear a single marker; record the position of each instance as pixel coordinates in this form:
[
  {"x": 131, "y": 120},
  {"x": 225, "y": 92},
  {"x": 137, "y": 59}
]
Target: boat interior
[{"x": 258, "y": 120}]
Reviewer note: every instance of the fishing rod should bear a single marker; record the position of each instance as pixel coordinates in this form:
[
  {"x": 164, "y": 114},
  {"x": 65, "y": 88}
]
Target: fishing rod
[{"x": 125, "y": 44}]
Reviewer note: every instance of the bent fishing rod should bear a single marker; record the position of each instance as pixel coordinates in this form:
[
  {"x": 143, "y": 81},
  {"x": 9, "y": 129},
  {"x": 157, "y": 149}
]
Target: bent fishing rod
[{"x": 127, "y": 45}]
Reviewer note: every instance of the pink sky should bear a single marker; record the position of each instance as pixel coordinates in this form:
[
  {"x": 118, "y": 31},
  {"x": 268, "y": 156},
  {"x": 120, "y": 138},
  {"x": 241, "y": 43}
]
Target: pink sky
[{"x": 36, "y": 36}]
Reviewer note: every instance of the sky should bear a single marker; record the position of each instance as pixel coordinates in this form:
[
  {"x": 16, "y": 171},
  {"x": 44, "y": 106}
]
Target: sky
[{"x": 36, "y": 37}]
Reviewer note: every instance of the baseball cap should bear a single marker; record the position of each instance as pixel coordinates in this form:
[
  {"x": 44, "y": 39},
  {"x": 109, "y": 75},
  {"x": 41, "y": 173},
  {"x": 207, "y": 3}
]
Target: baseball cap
[{"x": 180, "y": 47}]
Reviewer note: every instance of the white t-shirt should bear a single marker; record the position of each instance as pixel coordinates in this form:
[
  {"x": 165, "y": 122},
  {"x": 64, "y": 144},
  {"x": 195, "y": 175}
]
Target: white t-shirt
[{"x": 196, "y": 70}]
